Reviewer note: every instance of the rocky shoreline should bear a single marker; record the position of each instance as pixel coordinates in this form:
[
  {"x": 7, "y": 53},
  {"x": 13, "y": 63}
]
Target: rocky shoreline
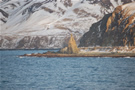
[
  {"x": 73, "y": 51},
  {"x": 95, "y": 54}
]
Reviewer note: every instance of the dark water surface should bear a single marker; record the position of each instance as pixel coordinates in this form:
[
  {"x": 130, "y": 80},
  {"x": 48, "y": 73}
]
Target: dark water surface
[{"x": 34, "y": 73}]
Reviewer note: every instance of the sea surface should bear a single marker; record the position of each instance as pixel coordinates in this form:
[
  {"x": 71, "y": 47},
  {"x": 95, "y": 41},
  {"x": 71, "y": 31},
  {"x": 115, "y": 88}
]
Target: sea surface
[{"x": 76, "y": 73}]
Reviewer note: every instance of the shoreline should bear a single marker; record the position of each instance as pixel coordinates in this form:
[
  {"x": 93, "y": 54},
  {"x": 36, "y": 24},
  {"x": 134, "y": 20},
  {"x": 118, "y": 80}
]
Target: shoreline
[
  {"x": 88, "y": 52},
  {"x": 51, "y": 54},
  {"x": 28, "y": 49}
]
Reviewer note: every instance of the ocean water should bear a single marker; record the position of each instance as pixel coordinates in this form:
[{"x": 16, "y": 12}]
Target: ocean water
[{"x": 41, "y": 73}]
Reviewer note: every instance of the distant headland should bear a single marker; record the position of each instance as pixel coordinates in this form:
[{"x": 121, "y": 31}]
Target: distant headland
[{"x": 73, "y": 51}]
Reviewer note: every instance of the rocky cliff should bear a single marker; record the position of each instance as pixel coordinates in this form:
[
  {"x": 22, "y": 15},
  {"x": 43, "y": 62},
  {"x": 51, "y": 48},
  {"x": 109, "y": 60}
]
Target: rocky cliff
[
  {"x": 115, "y": 29},
  {"x": 41, "y": 24},
  {"x": 71, "y": 48}
]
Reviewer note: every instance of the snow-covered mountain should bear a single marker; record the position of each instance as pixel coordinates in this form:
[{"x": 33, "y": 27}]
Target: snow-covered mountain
[
  {"x": 49, "y": 23},
  {"x": 115, "y": 29}
]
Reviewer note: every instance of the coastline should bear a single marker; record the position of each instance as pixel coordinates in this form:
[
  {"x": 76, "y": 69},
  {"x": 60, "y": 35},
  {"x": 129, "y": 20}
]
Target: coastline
[
  {"x": 89, "y": 52},
  {"x": 96, "y": 54}
]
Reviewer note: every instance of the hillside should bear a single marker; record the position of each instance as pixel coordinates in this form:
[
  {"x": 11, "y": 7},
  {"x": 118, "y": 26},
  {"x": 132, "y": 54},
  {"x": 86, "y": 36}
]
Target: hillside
[
  {"x": 42, "y": 24},
  {"x": 115, "y": 29}
]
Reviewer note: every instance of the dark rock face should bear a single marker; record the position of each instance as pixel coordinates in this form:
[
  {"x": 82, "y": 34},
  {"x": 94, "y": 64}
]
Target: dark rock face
[
  {"x": 107, "y": 3},
  {"x": 94, "y": 36},
  {"x": 115, "y": 29},
  {"x": 4, "y": 13}
]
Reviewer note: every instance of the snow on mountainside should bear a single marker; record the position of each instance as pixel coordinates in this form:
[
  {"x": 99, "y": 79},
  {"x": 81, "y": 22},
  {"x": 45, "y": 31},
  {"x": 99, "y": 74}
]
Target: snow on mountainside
[
  {"x": 48, "y": 23},
  {"x": 115, "y": 29}
]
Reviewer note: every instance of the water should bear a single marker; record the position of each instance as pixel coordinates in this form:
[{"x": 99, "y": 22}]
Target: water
[{"x": 41, "y": 73}]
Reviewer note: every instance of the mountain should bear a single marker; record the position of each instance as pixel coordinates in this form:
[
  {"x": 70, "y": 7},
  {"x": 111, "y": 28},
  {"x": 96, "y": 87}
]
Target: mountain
[
  {"x": 42, "y": 24},
  {"x": 115, "y": 29}
]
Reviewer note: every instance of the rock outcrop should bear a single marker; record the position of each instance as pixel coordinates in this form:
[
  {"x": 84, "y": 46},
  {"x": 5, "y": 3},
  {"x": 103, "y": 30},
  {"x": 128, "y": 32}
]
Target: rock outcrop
[
  {"x": 115, "y": 29},
  {"x": 72, "y": 47}
]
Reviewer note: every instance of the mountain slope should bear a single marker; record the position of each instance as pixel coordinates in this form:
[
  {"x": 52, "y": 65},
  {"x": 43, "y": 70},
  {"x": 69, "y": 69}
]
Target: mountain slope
[
  {"x": 48, "y": 23},
  {"x": 115, "y": 29}
]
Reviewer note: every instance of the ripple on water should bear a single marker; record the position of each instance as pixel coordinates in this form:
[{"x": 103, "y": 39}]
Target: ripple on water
[{"x": 32, "y": 73}]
